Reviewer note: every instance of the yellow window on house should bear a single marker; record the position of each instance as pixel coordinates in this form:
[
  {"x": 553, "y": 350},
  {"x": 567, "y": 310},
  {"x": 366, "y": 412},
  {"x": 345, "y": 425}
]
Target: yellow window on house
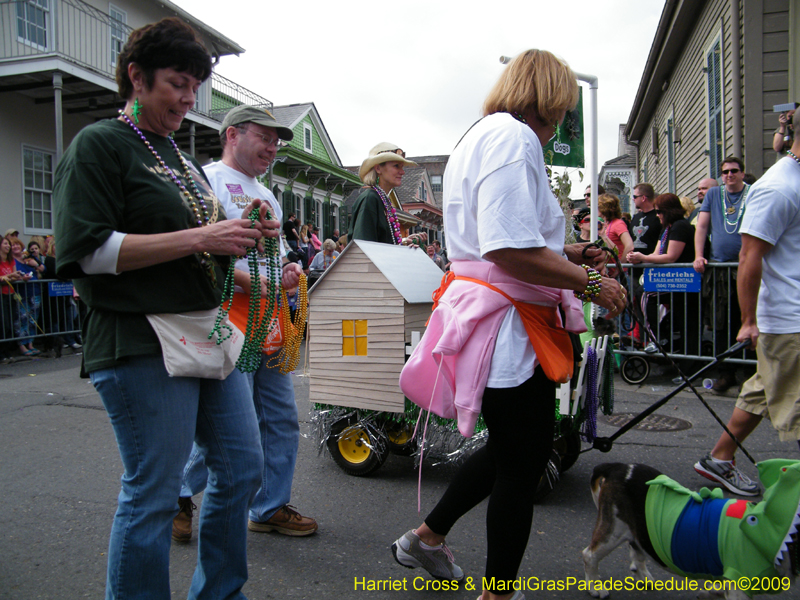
[{"x": 354, "y": 338}]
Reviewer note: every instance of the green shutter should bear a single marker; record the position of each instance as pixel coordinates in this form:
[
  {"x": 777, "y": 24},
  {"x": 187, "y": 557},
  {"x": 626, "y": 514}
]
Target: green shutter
[
  {"x": 286, "y": 203},
  {"x": 327, "y": 218},
  {"x": 344, "y": 219}
]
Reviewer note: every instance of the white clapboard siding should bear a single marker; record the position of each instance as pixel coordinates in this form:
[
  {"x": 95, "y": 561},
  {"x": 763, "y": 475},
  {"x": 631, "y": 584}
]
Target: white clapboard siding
[
  {"x": 416, "y": 317},
  {"x": 355, "y": 288}
]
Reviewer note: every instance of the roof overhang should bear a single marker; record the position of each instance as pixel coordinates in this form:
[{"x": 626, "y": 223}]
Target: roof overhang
[
  {"x": 678, "y": 21},
  {"x": 222, "y": 45},
  {"x": 316, "y": 168},
  {"x": 425, "y": 212}
]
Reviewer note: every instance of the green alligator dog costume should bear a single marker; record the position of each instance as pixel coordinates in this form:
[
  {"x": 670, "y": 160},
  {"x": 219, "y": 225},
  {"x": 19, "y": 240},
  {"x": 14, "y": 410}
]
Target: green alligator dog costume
[{"x": 704, "y": 536}]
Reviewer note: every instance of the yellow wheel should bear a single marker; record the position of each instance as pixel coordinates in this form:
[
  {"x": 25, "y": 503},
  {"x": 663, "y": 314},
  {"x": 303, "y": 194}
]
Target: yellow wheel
[
  {"x": 400, "y": 437},
  {"x": 358, "y": 450}
]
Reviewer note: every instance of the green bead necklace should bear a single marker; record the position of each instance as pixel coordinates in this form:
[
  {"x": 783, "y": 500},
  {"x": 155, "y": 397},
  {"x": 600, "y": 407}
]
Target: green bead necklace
[{"x": 258, "y": 326}]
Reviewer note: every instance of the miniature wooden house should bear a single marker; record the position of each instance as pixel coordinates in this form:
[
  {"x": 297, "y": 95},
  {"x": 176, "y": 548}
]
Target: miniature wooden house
[{"x": 361, "y": 315}]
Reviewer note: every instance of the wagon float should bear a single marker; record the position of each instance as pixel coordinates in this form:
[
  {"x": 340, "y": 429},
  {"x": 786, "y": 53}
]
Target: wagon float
[{"x": 366, "y": 314}]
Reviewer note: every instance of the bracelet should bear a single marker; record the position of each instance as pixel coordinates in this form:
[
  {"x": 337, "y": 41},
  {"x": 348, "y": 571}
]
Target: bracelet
[{"x": 592, "y": 290}]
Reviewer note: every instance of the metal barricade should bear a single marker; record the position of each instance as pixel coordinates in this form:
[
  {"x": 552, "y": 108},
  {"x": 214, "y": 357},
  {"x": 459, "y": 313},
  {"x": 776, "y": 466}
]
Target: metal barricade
[
  {"x": 38, "y": 309},
  {"x": 692, "y": 324}
]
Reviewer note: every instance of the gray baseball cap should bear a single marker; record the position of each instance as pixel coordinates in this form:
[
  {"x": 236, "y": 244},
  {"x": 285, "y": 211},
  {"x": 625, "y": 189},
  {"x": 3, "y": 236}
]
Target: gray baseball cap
[{"x": 259, "y": 116}]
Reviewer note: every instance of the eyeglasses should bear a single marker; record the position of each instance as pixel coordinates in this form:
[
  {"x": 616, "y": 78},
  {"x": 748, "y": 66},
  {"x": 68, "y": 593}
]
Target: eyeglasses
[
  {"x": 731, "y": 171},
  {"x": 269, "y": 141},
  {"x": 397, "y": 151}
]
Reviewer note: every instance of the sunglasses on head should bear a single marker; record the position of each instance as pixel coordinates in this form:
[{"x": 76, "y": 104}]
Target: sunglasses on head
[
  {"x": 397, "y": 151},
  {"x": 730, "y": 171}
]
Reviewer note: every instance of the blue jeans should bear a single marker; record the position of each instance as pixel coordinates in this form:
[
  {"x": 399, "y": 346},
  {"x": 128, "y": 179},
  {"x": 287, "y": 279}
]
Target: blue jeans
[
  {"x": 273, "y": 396},
  {"x": 156, "y": 418},
  {"x": 25, "y": 319}
]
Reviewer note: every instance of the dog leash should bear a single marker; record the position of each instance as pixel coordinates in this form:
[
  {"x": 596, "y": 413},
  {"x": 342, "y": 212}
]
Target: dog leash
[{"x": 605, "y": 444}]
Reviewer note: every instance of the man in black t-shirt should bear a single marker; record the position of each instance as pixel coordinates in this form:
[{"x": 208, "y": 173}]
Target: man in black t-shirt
[
  {"x": 290, "y": 232},
  {"x": 645, "y": 229},
  {"x": 645, "y": 226}
]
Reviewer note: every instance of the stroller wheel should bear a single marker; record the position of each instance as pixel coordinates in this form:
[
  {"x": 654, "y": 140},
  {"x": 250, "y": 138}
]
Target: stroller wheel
[{"x": 635, "y": 370}]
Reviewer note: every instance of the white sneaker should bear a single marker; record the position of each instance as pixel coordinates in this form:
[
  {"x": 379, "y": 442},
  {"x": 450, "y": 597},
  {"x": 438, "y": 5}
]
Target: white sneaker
[{"x": 411, "y": 552}]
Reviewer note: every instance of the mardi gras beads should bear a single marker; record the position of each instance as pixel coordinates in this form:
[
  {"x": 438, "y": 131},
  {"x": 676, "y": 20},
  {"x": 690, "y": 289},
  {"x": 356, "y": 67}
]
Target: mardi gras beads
[
  {"x": 287, "y": 359},
  {"x": 259, "y": 324}
]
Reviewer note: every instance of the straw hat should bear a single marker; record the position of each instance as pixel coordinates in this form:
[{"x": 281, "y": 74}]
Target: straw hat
[{"x": 383, "y": 152}]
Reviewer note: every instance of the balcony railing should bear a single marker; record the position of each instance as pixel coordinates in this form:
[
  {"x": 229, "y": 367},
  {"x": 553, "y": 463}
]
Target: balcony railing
[{"x": 83, "y": 35}]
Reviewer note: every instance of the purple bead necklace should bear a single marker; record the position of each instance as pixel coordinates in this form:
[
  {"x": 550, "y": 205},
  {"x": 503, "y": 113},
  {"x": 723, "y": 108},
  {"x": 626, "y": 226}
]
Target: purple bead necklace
[
  {"x": 662, "y": 249},
  {"x": 197, "y": 203},
  {"x": 391, "y": 215}
]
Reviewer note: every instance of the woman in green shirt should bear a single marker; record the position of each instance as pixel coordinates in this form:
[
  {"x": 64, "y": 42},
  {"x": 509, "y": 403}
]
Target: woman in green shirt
[
  {"x": 374, "y": 213},
  {"x": 140, "y": 232}
]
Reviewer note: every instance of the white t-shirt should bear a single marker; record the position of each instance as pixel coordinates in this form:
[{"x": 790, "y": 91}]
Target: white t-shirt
[
  {"x": 497, "y": 195},
  {"x": 773, "y": 215},
  {"x": 236, "y": 191}
]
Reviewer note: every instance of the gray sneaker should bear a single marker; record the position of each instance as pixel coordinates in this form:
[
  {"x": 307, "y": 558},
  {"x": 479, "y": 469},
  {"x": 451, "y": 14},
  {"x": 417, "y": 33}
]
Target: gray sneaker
[
  {"x": 410, "y": 552},
  {"x": 728, "y": 475}
]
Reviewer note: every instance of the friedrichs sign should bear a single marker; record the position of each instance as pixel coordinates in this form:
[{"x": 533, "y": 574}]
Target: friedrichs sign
[{"x": 672, "y": 280}]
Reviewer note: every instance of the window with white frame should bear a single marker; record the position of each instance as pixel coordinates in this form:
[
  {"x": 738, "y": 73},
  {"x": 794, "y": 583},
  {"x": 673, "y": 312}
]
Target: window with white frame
[
  {"x": 715, "y": 102},
  {"x": 298, "y": 206},
  {"x": 32, "y": 22},
  {"x": 308, "y": 145},
  {"x": 37, "y": 189},
  {"x": 670, "y": 132},
  {"x": 436, "y": 183},
  {"x": 118, "y": 32}
]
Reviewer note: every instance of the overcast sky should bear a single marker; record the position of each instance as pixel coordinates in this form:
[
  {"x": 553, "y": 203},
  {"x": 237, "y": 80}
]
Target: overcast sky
[{"x": 415, "y": 73}]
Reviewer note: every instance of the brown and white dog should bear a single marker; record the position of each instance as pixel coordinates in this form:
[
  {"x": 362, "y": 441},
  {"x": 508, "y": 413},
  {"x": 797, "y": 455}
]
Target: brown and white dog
[{"x": 620, "y": 494}]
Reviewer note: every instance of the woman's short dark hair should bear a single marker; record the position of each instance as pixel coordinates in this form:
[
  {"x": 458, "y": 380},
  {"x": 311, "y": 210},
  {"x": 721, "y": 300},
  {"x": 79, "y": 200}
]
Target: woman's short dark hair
[
  {"x": 170, "y": 43},
  {"x": 670, "y": 206}
]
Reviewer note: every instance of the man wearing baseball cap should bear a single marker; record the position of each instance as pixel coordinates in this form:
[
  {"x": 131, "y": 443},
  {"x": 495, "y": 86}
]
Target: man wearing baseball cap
[{"x": 250, "y": 139}]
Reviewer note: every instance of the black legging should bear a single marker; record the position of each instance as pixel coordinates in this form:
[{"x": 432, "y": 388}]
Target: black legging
[{"x": 520, "y": 421}]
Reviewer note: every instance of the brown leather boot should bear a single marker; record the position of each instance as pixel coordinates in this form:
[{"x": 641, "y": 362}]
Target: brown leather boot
[{"x": 182, "y": 523}]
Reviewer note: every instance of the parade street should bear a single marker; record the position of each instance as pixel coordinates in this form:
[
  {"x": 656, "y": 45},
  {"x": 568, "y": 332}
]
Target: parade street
[{"x": 60, "y": 479}]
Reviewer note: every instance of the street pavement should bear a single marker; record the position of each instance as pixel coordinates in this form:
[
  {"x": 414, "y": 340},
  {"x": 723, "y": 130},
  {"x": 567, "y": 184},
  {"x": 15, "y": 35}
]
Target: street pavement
[{"x": 60, "y": 479}]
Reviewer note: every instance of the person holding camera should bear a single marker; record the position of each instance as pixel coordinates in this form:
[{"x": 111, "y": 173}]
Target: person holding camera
[{"x": 783, "y": 138}]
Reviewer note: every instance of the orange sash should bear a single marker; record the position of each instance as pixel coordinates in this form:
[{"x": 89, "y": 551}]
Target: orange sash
[
  {"x": 238, "y": 313},
  {"x": 549, "y": 340}
]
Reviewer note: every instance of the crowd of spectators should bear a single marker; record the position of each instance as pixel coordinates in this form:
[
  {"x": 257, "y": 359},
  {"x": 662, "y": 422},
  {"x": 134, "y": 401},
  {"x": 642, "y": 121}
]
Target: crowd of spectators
[
  {"x": 29, "y": 311},
  {"x": 666, "y": 229}
]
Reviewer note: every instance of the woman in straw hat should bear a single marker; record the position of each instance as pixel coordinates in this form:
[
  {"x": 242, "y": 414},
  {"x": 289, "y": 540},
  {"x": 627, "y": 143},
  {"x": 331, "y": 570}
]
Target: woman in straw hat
[
  {"x": 375, "y": 210},
  {"x": 505, "y": 231}
]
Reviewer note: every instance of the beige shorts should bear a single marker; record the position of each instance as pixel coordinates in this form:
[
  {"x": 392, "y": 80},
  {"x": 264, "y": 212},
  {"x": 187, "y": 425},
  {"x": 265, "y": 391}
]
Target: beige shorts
[{"x": 774, "y": 391}]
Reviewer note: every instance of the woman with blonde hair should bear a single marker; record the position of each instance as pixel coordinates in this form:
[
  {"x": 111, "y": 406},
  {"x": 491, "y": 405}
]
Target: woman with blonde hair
[
  {"x": 305, "y": 247},
  {"x": 688, "y": 206},
  {"x": 505, "y": 230},
  {"x": 375, "y": 210}
]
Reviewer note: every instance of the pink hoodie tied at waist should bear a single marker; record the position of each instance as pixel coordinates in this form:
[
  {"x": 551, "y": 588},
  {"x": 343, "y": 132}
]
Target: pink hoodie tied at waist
[{"x": 448, "y": 370}]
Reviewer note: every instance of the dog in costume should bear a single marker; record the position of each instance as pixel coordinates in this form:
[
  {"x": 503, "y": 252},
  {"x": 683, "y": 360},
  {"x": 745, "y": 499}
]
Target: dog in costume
[{"x": 699, "y": 535}]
